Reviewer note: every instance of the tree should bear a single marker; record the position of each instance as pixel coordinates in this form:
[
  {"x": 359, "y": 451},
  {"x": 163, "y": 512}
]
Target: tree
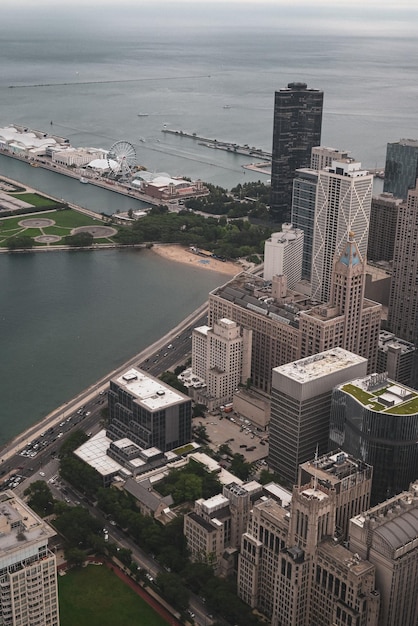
[
  {"x": 174, "y": 590},
  {"x": 79, "y": 240},
  {"x": 40, "y": 498},
  {"x": 239, "y": 467},
  {"x": 20, "y": 242}
]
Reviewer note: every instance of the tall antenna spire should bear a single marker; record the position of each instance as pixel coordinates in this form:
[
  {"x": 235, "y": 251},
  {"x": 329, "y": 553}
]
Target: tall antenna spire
[{"x": 316, "y": 467}]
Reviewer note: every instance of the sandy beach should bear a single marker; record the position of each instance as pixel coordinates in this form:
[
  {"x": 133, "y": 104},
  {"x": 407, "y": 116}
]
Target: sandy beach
[{"x": 180, "y": 254}]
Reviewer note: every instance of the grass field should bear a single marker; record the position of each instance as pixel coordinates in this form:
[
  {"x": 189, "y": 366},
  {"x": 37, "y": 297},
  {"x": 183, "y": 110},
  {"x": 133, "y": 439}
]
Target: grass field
[
  {"x": 64, "y": 220},
  {"x": 36, "y": 199},
  {"x": 95, "y": 596}
]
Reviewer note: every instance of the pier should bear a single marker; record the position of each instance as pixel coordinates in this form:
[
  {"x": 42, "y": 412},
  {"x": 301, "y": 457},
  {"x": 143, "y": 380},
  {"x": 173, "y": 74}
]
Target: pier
[{"x": 235, "y": 148}]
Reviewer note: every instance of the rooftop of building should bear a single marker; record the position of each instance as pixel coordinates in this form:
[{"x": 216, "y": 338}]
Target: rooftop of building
[
  {"x": 282, "y": 495},
  {"x": 395, "y": 521},
  {"x": 150, "y": 392},
  {"x": 333, "y": 467},
  {"x": 412, "y": 143},
  {"x": 146, "y": 495},
  {"x": 19, "y": 526},
  {"x": 323, "y": 364},
  {"x": 208, "y": 526},
  {"x": 94, "y": 453},
  {"x": 389, "y": 340},
  {"x": 382, "y": 395},
  {"x": 252, "y": 292},
  {"x": 343, "y": 558}
]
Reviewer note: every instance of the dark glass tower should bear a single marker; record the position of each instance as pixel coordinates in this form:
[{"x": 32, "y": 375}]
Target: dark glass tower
[
  {"x": 296, "y": 130},
  {"x": 401, "y": 168}
]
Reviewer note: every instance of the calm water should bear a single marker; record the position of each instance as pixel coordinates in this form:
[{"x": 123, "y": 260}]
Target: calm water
[{"x": 66, "y": 319}]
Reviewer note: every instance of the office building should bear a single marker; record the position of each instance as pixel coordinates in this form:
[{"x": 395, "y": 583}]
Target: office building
[
  {"x": 376, "y": 419},
  {"x": 387, "y": 536},
  {"x": 213, "y": 530},
  {"x": 382, "y": 227},
  {"x": 396, "y": 357},
  {"x": 349, "y": 319},
  {"x": 283, "y": 253},
  {"x": 303, "y": 213},
  {"x": 293, "y": 568},
  {"x": 349, "y": 478},
  {"x": 403, "y": 298},
  {"x": 401, "y": 168},
  {"x": 148, "y": 412},
  {"x": 28, "y": 569},
  {"x": 221, "y": 361},
  {"x": 343, "y": 201},
  {"x": 296, "y": 129},
  {"x": 287, "y": 327},
  {"x": 323, "y": 156},
  {"x": 300, "y": 407}
]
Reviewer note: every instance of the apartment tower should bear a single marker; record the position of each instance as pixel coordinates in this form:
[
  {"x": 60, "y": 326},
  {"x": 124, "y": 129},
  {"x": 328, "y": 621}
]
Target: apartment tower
[
  {"x": 283, "y": 253},
  {"x": 343, "y": 201},
  {"x": 28, "y": 569},
  {"x": 296, "y": 129},
  {"x": 401, "y": 168}
]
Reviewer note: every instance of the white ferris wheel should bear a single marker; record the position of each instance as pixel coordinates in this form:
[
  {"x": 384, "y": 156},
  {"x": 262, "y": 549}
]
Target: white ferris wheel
[{"x": 121, "y": 158}]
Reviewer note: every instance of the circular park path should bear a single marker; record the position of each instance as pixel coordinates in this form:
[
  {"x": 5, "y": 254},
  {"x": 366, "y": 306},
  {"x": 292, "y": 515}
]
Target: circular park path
[{"x": 98, "y": 232}]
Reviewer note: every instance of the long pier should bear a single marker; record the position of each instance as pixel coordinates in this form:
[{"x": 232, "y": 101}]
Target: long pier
[{"x": 227, "y": 146}]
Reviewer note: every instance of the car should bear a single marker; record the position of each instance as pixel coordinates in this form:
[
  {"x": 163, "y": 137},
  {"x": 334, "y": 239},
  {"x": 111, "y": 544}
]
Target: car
[
  {"x": 41, "y": 473},
  {"x": 88, "y": 413},
  {"x": 170, "y": 345},
  {"x": 192, "y": 615},
  {"x": 59, "y": 436},
  {"x": 112, "y": 522}
]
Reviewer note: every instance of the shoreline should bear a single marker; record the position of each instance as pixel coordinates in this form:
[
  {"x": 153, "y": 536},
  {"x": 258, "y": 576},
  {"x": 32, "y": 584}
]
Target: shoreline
[{"x": 179, "y": 254}]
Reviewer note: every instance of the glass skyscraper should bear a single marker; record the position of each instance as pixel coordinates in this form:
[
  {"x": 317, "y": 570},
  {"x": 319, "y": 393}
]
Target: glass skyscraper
[{"x": 296, "y": 130}]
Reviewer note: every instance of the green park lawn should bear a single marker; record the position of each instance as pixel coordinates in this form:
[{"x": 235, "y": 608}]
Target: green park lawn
[
  {"x": 95, "y": 596},
  {"x": 65, "y": 221},
  {"x": 35, "y": 199}
]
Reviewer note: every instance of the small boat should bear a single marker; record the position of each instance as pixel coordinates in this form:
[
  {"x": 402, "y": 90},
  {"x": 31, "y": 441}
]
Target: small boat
[
  {"x": 226, "y": 106},
  {"x": 35, "y": 164},
  {"x": 142, "y": 114},
  {"x": 84, "y": 180}
]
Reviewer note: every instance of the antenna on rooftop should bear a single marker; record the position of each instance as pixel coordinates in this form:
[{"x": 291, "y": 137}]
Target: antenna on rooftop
[{"x": 316, "y": 467}]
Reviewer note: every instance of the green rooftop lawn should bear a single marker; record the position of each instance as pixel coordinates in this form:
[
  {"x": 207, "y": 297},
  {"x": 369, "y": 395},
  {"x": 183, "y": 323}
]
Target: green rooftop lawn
[
  {"x": 372, "y": 400},
  {"x": 184, "y": 449},
  {"x": 95, "y": 596},
  {"x": 362, "y": 396}
]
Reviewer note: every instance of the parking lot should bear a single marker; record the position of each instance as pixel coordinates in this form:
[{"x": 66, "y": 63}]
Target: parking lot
[{"x": 239, "y": 436}]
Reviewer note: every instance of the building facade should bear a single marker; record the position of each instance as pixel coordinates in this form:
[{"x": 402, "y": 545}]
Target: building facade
[
  {"x": 286, "y": 327},
  {"x": 323, "y": 156},
  {"x": 376, "y": 420},
  {"x": 396, "y": 357},
  {"x": 294, "y": 570},
  {"x": 221, "y": 360},
  {"x": 401, "y": 168},
  {"x": 148, "y": 412},
  {"x": 382, "y": 228},
  {"x": 296, "y": 129},
  {"x": 343, "y": 202},
  {"x": 28, "y": 569},
  {"x": 303, "y": 212},
  {"x": 403, "y": 298},
  {"x": 301, "y": 404},
  {"x": 387, "y": 536},
  {"x": 283, "y": 254}
]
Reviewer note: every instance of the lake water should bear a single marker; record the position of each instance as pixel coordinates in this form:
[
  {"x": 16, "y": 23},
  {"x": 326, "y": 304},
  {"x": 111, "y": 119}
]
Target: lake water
[{"x": 66, "y": 319}]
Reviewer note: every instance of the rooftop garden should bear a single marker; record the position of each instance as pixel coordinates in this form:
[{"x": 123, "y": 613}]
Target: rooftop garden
[{"x": 371, "y": 400}]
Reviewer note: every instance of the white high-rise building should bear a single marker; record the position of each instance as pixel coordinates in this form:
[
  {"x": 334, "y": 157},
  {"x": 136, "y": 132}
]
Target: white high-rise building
[
  {"x": 28, "y": 569},
  {"x": 221, "y": 357},
  {"x": 283, "y": 253},
  {"x": 323, "y": 156},
  {"x": 343, "y": 202}
]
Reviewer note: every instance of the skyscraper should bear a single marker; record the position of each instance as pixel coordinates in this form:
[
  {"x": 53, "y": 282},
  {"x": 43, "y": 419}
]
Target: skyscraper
[
  {"x": 283, "y": 254},
  {"x": 296, "y": 129},
  {"x": 303, "y": 212},
  {"x": 300, "y": 407},
  {"x": 403, "y": 298},
  {"x": 401, "y": 168},
  {"x": 376, "y": 420},
  {"x": 343, "y": 202},
  {"x": 382, "y": 227},
  {"x": 28, "y": 569}
]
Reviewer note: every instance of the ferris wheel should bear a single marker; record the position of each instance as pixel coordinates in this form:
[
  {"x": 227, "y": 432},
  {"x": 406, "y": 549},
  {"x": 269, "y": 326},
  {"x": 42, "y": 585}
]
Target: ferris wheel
[{"x": 121, "y": 158}]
